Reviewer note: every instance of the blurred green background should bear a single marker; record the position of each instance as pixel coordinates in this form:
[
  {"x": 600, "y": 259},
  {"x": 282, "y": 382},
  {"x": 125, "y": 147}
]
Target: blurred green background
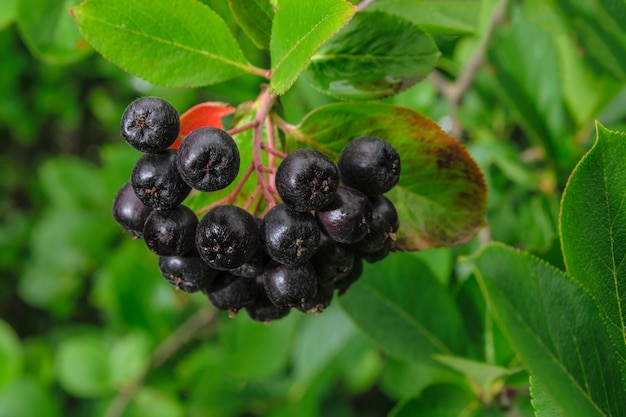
[{"x": 89, "y": 328}]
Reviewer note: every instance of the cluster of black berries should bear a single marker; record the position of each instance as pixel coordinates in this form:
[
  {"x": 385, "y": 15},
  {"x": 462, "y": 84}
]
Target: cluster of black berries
[{"x": 332, "y": 216}]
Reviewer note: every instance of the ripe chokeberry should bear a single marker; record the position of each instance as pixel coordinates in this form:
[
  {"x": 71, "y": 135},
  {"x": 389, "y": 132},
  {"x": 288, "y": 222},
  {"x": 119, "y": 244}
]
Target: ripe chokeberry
[
  {"x": 369, "y": 164},
  {"x": 150, "y": 124},
  {"x": 342, "y": 285},
  {"x": 171, "y": 232},
  {"x": 232, "y": 293},
  {"x": 332, "y": 261},
  {"x": 346, "y": 219},
  {"x": 187, "y": 272},
  {"x": 288, "y": 236},
  {"x": 263, "y": 309},
  {"x": 290, "y": 285},
  {"x": 156, "y": 181},
  {"x": 129, "y": 211},
  {"x": 382, "y": 228},
  {"x": 227, "y": 237},
  {"x": 307, "y": 179},
  {"x": 322, "y": 299},
  {"x": 208, "y": 159}
]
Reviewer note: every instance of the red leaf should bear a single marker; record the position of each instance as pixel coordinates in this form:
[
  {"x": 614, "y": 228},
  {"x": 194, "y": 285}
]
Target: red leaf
[{"x": 207, "y": 114}]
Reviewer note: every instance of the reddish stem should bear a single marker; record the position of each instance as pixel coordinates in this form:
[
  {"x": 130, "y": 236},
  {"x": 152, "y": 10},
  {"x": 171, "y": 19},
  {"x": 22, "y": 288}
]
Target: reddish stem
[
  {"x": 243, "y": 127},
  {"x": 252, "y": 197}
]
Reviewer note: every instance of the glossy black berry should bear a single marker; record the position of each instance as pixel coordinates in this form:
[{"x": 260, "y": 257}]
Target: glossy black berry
[
  {"x": 208, "y": 159},
  {"x": 369, "y": 164},
  {"x": 187, "y": 272},
  {"x": 263, "y": 309},
  {"x": 383, "y": 226},
  {"x": 307, "y": 180},
  {"x": 227, "y": 237},
  {"x": 171, "y": 232},
  {"x": 333, "y": 260},
  {"x": 233, "y": 294},
  {"x": 156, "y": 181},
  {"x": 288, "y": 236},
  {"x": 353, "y": 276},
  {"x": 129, "y": 211},
  {"x": 322, "y": 299},
  {"x": 346, "y": 219},
  {"x": 290, "y": 285},
  {"x": 150, "y": 124}
]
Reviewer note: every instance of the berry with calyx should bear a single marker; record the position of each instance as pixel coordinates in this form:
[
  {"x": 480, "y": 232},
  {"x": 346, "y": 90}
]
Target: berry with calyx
[
  {"x": 353, "y": 276},
  {"x": 290, "y": 285},
  {"x": 208, "y": 159},
  {"x": 322, "y": 299},
  {"x": 129, "y": 211},
  {"x": 171, "y": 232},
  {"x": 227, "y": 237},
  {"x": 346, "y": 219},
  {"x": 288, "y": 236},
  {"x": 333, "y": 260},
  {"x": 307, "y": 180},
  {"x": 233, "y": 293},
  {"x": 156, "y": 181},
  {"x": 383, "y": 226},
  {"x": 187, "y": 272},
  {"x": 369, "y": 164},
  {"x": 263, "y": 309},
  {"x": 150, "y": 124}
]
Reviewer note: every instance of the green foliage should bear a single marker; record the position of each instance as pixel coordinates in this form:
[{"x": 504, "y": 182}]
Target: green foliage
[{"x": 475, "y": 94}]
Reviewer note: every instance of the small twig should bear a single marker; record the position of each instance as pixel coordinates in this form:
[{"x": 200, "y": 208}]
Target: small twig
[
  {"x": 363, "y": 4},
  {"x": 243, "y": 127},
  {"x": 252, "y": 197},
  {"x": 273, "y": 152},
  {"x": 204, "y": 318},
  {"x": 266, "y": 101}
]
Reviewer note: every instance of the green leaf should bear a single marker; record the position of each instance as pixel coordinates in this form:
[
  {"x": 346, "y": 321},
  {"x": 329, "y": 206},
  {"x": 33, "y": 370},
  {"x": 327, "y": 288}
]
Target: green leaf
[
  {"x": 393, "y": 303},
  {"x": 442, "y": 17},
  {"x": 26, "y": 397},
  {"x": 541, "y": 403},
  {"x": 443, "y": 400},
  {"x": 8, "y": 13},
  {"x": 11, "y": 354},
  {"x": 441, "y": 195},
  {"x": 186, "y": 45},
  {"x": 593, "y": 231},
  {"x": 129, "y": 358},
  {"x": 49, "y": 32},
  {"x": 155, "y": 403},
  {"x": 255, "y": 18},
  {"x": 82, "y": 366},
  {"x": 299, "y": 28},
  {"x": 555, "y": 327},
  {"x": 365, "y": 61}
]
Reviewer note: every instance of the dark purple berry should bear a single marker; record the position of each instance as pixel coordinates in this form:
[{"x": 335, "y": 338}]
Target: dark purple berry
[
  {"x": 346, "y": 219},
  {"x": 377, "y": 255},
  {"x": 322, "y": 299},
  {"x": 288, "y": 236},
  {"x": 187, "y": 273},
  {"x": 208, "y": 159},
  {"x": 383, "y": 226},
  {"x": 233, "y": 294},
  {"x": 156, "y": 181},
  {"x": 353, "y": 276},
  {"x": 171, "y": 232},
  {"x": 150, "y": 124},
  {"x": 332, "y": 261},
  {"x": 263, "y": 309},
  {"x": 307, "y": 180},
  {"x": 369, "y": 164},
  {"x": 129, "y": 211},
  {"x": 290, "y": 285},
  {"x": 227, "y": 237}
]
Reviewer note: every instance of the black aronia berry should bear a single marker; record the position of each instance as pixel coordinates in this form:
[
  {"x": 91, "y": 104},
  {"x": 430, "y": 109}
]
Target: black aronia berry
[
  {"x": 150, "y": 124},
  {"x": 297, "y": 238}
]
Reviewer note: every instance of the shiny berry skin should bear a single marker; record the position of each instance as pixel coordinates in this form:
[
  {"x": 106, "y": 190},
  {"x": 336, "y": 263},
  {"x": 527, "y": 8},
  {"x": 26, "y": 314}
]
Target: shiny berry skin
[
  {"x": 263, "y": 309},
  {"x": 307, "y": 180},
  {"x": 129, "y": 212},
  {"x": 233, "y": 293},
  {"x": 369, "y": 164},
  {"x": 227, "y": 237},
  {"x": 383, "y": 226},
  {"x": 150, "y": 124},
  {"x": 290, "y": 285},
  {"x": 346, "y": 219},
  {"x": 288, "y": 236},
  {"x": 171, "y": 232},
  {"x": 187, "y": 272},
  {"x": 208, "y": 159},
  {"x": 322, "y": 299},
  {"x": 333, "y": 260},
  {"x": 156, "y": 181},
  {"x": 342, "y": 285}
]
